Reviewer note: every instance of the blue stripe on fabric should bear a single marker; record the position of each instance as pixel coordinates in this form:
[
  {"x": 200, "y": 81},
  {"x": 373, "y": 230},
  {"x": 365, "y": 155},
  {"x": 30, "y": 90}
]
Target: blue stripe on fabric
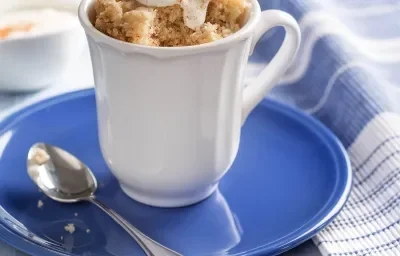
[
  {"x": 381, "y": 187},
  {"x": 369, "y": 250},
  {"x": 360, "y": 237},
  {"x": 373, "y": 171},
  {"x": 382, "y": 144},
  {"x": 386, "y": 208}
]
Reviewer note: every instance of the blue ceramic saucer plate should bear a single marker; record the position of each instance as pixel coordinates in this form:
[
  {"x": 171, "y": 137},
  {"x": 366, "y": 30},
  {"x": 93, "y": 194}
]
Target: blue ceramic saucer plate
[{"x": 290, "y": 178}]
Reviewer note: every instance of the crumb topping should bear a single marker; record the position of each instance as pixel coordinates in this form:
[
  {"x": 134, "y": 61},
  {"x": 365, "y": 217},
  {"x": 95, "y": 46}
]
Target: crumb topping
[{"x": 129, "y": 21}]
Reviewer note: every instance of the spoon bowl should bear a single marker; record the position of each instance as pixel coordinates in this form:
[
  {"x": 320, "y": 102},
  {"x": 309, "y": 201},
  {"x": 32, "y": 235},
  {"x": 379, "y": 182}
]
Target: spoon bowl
[{"x": 59, "y": 174}]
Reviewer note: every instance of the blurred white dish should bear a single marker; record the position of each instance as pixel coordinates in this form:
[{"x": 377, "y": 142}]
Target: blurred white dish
[{"x": 35, "y": 60}]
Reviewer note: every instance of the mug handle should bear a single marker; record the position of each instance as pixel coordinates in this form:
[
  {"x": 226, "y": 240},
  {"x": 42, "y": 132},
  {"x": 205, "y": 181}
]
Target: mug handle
[{"x": 254, "y": 93}]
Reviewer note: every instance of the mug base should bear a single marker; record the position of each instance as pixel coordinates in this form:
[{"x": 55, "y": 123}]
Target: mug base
[{"x": 169, "y": 201}]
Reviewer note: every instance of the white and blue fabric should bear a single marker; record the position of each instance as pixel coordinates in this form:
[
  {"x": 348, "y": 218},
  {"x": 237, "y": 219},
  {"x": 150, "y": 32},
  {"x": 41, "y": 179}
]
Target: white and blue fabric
[{"x": 347, "y": 75}]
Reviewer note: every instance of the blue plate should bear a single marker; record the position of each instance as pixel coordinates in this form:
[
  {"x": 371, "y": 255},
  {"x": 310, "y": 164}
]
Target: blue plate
[{"x": 291, "y": 177}]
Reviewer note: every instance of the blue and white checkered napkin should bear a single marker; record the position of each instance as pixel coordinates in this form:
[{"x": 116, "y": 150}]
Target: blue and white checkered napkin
[{"x": 347, "y": 75}]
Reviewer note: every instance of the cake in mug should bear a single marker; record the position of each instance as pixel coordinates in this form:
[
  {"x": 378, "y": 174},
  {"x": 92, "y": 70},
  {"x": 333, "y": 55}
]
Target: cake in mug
[{"x": 171, "y": 22}]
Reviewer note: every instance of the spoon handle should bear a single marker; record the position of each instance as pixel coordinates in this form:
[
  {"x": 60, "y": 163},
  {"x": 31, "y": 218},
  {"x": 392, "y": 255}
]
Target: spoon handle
[{"x": 149, "y": 246}]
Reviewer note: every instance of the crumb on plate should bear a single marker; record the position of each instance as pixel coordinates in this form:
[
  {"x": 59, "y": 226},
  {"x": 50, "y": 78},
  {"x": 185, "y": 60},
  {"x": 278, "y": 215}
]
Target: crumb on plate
[
  {"x": 70, "y": 228},
  {"x": 40, "y": 204}
]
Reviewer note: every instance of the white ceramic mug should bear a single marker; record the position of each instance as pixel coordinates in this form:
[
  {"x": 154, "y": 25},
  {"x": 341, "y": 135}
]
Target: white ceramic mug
[{"x": 170, "y": 118}]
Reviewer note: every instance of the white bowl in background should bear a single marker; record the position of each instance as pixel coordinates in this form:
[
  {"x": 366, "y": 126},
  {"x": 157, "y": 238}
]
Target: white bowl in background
[{"x": 34, "y": 62}]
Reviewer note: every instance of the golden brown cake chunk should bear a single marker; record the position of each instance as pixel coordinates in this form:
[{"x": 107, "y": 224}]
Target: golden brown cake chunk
[
  {"x": 129, "y": 21},
  {"x": 137, "y": 26}
]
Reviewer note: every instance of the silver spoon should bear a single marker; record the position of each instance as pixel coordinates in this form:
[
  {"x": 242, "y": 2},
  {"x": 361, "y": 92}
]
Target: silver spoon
[{"x": 65, "y": 179}]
